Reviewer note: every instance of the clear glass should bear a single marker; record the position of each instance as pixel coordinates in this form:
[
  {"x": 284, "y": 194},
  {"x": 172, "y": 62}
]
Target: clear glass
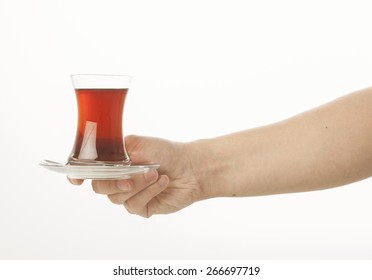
[{"x": 99, "y": 136}]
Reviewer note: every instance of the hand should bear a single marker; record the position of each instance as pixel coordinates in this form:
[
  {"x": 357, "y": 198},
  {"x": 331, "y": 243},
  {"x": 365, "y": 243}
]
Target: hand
[{"x": 151, "y": 193}]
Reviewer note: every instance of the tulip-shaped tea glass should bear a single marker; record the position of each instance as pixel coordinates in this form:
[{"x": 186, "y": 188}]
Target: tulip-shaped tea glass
[{"x": 99, "y": 137}]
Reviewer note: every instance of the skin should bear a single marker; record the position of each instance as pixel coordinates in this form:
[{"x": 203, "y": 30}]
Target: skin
[{"x": 326, "y": 147}]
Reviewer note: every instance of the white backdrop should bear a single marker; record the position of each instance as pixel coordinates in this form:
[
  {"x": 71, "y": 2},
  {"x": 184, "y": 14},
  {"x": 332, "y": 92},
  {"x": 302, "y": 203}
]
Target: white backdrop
[{"x": 201, "y": 69}]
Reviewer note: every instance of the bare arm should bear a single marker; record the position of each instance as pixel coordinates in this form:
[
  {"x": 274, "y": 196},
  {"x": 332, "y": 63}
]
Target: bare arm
[{"x": 326, "y": 147}]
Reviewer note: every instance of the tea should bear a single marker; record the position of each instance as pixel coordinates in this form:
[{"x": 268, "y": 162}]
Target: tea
[{"x": 99, "y": 135}]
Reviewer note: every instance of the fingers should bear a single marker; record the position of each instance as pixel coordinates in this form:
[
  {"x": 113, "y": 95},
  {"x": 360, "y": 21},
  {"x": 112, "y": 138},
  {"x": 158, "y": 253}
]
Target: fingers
[
  {"x": 132, "y": 185},
  {"x": 138, "y": 184},
  {"x": 120, "y": 190},
  {"x": 135, "y": 193},
  {"x": 112, "y": 186},
  {"x": 75, "y": 181},
  {"x": 139, "y": 203}
]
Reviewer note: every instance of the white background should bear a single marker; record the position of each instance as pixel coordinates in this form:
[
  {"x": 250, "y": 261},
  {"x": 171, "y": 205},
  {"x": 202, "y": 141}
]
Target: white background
[{"x": 201, "y": 69}]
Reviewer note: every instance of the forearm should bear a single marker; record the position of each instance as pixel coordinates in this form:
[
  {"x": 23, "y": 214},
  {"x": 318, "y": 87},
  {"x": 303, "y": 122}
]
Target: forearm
[{"x": 326, "y": 147}]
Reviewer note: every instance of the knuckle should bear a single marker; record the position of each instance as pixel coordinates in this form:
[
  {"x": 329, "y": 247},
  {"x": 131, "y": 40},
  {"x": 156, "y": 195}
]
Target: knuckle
[
  {"x": 145, "y": 214},
  {"x": 131, "y": 183},
  {"x": 115, "y": 199},
  {"x": 96, "y": 187},
  {"x": 132, "y": 208},
  {"x": 127, "y": 208},
  {"x": 123, "y": 185},
  {"x": 129, "y": 205}
]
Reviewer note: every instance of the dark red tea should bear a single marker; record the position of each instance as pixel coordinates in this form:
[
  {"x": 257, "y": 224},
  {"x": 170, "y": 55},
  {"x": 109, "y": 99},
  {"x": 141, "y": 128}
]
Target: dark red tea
[{"x": 99, "y": 135}]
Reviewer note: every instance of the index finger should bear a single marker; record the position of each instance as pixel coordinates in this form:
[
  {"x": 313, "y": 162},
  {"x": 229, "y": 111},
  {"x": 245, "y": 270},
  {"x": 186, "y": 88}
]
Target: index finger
[
  {"x": 75, "y": 181},
  {"x": 134, "y": 184}
]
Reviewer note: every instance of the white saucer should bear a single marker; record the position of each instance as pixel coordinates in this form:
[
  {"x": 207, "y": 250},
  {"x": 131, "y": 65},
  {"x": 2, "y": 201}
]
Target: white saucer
[{"x": 97, "y": 172}]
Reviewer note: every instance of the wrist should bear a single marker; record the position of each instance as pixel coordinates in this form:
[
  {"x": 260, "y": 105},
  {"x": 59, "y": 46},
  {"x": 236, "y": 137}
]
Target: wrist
[{"x": 209, "y": 167}]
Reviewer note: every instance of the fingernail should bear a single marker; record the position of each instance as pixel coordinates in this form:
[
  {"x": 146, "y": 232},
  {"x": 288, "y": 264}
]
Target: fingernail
[
  {"x": 163, "y": 181},
  {"x": 151, "y": 175},
  {"x": 123, "y": 185}
]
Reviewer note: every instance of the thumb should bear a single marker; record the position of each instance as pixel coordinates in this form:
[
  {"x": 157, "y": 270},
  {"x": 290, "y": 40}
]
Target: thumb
[{"x": 136, "y": 148}]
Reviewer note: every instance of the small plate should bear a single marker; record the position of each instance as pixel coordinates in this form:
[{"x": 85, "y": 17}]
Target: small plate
[{"x": 97, "y": 172}]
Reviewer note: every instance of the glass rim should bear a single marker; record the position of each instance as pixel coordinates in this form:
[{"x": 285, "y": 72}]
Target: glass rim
[{"x": 100, "y": 81}]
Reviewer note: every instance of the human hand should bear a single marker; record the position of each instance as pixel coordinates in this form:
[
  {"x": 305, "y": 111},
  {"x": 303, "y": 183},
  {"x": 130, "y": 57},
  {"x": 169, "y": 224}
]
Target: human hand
[{"x": 175, "y": 188}]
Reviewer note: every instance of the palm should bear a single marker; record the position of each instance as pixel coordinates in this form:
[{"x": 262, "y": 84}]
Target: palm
[{"x": 183, "y": 188}]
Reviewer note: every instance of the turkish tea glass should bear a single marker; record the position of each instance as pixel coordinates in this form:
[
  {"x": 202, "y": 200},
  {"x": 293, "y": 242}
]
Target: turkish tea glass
[{"x": 99, "y": 136}]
